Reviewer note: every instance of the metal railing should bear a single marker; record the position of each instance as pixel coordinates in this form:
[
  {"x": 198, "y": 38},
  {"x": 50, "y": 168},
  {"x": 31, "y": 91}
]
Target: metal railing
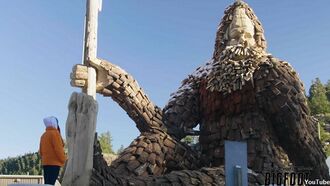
[{"x": 20, "y": 179}]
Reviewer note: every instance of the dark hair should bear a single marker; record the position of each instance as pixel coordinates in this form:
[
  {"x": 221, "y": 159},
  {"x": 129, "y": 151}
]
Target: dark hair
[
  {"x": 58, "y": 126},
  {"x": 59, "y": 129}
]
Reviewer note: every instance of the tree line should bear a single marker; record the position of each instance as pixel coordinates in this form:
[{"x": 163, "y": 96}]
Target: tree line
[{"x": 30, "y": 163}]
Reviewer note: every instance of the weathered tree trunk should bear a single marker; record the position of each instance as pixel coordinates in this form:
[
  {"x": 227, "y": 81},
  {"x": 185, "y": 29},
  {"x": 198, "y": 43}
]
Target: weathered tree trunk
[{"x": 80, "y": 130}]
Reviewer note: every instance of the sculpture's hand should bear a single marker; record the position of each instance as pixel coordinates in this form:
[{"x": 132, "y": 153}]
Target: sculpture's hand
[{"x": 79, "y": 75}]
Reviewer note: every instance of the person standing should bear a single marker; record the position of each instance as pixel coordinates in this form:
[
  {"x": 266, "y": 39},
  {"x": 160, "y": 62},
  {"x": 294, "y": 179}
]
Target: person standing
[{"x": 51, "y": 150}]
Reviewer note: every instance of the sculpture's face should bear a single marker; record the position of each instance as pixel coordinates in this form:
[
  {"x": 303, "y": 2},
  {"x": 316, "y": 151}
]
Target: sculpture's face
[
  {"x": 241, "y": 29},
  {"x": 237, "y": 49}
]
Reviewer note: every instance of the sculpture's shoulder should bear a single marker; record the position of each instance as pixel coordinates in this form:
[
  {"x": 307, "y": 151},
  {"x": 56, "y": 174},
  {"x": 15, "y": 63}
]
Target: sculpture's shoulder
[
  {"x": 270, "y": 67},
  {"x": 191, "y": 84},
  {"x": 276, "y": 77},
  {"x": 282, "y": 66}
]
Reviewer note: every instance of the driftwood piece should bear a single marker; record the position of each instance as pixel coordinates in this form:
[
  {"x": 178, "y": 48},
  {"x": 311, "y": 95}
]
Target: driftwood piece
[{"x": 80, "y": 129}]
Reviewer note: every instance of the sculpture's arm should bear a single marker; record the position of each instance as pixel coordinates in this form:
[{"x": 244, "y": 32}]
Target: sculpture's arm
[
  {"x": 280, "y": 94},
  {"x": 122, "y": 88},
  {"x": 182, "y": 114}
]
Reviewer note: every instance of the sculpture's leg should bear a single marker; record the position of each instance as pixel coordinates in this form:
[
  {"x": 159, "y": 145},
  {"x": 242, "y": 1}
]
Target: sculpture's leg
[
  {"x": 155, "y": 154},
  {"x": 80, "y": 129},
  {"x": 204, "y": 176},
  {"x": 104, "y": 175},
  {"x": 130, "y": 169}
]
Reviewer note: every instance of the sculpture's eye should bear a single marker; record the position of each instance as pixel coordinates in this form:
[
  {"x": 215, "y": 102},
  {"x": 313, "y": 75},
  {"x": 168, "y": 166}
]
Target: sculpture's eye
[
  {"x": 248, "y": 35},
  {"x": 235, "y": 34}
]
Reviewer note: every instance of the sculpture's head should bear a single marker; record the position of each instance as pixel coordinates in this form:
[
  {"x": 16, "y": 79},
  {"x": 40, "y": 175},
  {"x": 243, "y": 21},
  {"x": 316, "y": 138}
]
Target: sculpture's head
[{"x": 239, "y": 29}]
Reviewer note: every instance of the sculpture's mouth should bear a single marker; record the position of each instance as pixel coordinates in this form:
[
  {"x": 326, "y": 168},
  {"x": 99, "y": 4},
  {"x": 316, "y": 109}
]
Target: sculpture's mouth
[
  {"x": 234, "y": 68},
  {"x": 237, "y": 52}
]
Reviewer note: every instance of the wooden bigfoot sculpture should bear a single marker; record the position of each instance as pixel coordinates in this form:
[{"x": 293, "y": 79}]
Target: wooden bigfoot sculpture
[{"x": 243, "y": 93}]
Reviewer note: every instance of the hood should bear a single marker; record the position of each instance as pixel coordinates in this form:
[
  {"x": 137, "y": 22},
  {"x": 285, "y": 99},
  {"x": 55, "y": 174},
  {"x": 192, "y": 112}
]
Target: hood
[{"x": 51, "y": 121}]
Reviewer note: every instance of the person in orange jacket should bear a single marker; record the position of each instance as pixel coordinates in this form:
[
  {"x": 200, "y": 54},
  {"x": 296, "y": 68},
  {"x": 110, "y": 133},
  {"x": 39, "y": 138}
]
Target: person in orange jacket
[{"x": 51, "y": 150}]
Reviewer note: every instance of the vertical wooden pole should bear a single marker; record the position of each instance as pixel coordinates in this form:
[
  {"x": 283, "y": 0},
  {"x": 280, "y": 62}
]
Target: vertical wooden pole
[
  {"x": 319, "y": 129},
  {"x": 90, "y": 43}
]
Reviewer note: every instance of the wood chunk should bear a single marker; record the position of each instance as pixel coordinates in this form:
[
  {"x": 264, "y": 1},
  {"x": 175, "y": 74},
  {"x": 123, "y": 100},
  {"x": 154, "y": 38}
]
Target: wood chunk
[
  {"x": 169, "y": 143},
  {"x": 152, "y": 158},
  {"x": 139, "y": 150},
  {"x": 143, "y": 157},
  {"x": 141, "y": 169},
  {"x": 133, "y": 165},
  {"x": 156, "y": 148}
]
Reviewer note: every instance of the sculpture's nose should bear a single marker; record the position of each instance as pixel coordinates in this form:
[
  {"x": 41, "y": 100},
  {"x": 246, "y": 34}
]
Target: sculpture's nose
[{"x": 241, "y": 38}]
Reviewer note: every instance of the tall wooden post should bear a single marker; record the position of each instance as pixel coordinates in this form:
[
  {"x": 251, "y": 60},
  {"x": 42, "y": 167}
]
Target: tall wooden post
[{"x": 90, "y": 43}]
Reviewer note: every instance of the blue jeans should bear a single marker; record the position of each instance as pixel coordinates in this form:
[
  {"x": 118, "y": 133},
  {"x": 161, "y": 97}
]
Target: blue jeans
[{"x": 51, "y": 173}]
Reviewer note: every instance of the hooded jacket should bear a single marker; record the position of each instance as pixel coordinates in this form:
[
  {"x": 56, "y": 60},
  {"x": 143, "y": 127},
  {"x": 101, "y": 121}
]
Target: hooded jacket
[{"x": 51, "y": 145}]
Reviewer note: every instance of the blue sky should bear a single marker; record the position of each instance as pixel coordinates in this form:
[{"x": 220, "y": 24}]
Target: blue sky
[{"x": 158, "y": 42}]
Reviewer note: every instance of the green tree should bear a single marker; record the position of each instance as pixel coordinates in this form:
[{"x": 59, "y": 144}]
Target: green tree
[
  {"x": 105, "y": 140},
  {"x": 325, "y": 138},
  {"x": 318, "y": 101},
  {"x": 121, "y": 149},
  {"x": 20, "y": 164},
  {"x": 188, "y": 140},
  {"x": 327, "y": 89}
]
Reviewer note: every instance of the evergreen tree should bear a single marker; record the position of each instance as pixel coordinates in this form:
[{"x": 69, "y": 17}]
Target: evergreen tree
[
  {"x": 188, "y": 140},
  {"x": 327, "y": 89},
  {"x": 105, "y": 140},
  {"x": 19, "y": 163},
  {"x": 121, "y": 149},
  {"x": 318, "y": 101},
  {"x": 27, "y": 164},
  {"x": 325, "y": 138}
]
